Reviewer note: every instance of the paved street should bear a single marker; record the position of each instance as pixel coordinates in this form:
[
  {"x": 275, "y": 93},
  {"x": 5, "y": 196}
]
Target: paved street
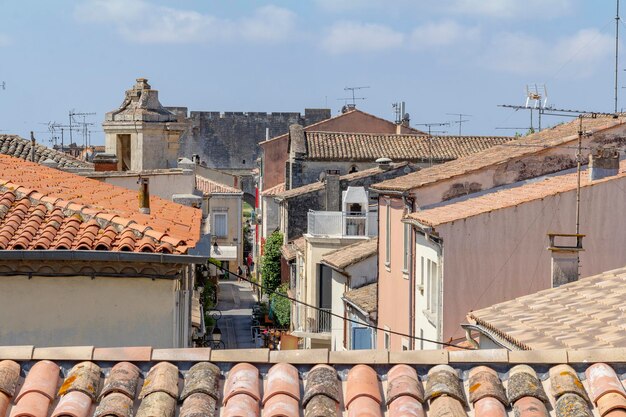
[{"x": 235, "y": 303}]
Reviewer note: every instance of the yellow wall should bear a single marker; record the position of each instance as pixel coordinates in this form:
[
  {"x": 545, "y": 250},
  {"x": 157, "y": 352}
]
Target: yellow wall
[{"x": 80, "y": 311}]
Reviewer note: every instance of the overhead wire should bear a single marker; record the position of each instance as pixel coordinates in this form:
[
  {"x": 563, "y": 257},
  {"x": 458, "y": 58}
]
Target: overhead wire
[{"x": 330, "y": 313}]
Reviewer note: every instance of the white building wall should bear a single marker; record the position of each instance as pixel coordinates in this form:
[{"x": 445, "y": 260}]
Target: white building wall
[{"x": 427, "y": 325}]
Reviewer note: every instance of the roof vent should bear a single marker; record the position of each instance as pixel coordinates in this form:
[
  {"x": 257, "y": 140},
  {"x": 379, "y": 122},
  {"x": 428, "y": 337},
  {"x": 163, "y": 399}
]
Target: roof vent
[{"x": 384, "y": 163}]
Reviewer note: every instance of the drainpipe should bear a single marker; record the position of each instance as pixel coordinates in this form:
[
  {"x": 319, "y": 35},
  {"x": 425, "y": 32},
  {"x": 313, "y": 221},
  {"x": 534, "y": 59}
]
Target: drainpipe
[{"x": 144, "y": 195}]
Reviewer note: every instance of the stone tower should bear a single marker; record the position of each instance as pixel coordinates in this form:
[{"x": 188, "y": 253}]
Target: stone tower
[{"x": 141, "y": 133}]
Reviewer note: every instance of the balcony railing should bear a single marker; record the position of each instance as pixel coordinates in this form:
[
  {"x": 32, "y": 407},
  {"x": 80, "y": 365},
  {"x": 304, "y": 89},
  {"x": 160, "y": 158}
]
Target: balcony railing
[
  {"x": 342, "y": 224},
  {"x": 312, "y": 320}
]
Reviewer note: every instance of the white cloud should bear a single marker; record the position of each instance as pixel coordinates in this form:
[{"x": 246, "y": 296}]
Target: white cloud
[
  {"x": 4, "y": 40},
  {"x": 537, "y": 9},
  {"x": 442, "y": 33},
  {"x": 579, "y": 54},
  {"x": 348, "y": 5},
  {"x": 142, "y": 22},
  {"x": 348, "y": 37}
]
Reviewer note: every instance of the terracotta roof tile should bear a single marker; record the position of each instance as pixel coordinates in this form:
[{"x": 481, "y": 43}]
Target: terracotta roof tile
[
  {"x": 507, "y": 197},
  {"x": 316, "y": 186},
  {"x": 559, "y": 317},
  {"x": 331, "y": 146},
  {"x": 15, "y": 146},
  {"x": 74, "y": 212},
  {"x": 235, "y": 389},
  {"x": 365, "y": 297},
  {"x": 531, "y": 144},
  {"x": 209, "y": 187},
  {"x": 277, "y": 189},
  {"x": 351, "y": 254}
]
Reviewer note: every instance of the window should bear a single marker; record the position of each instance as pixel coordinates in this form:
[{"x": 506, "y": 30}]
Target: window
[
  {"x": 434, "y": 287},
  {"x": 220, "y": 224},
  {"x": 388, "y": 235},
  {"x": 387, "y": 339},
  {"x": 407, "y": 247}
]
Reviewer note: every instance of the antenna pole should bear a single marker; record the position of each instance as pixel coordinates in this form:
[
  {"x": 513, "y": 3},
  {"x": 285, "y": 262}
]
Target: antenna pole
[
  {"x": 616, "y": 52},
  {"x": 578, "y": 165}
]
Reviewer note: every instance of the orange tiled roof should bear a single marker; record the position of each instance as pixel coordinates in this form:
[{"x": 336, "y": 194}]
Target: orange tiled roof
[
  {"x": 321, "y": 123},
  {"x": 507, "y": 197},
  {"x": 365, "y": 297},
  {"x": 589, "y": 312},
  {"x": 351, "y": 254},
  {"x": 369, "y": 146},
  {"x": 18, "y": 147},
  {"x": 209, "y": 187},
  {"x": 44, "y": 208},
  {"x": 275, "y": 190},
  {"x": 531, "y": 144},
  {"x": 203, "y": 382}
]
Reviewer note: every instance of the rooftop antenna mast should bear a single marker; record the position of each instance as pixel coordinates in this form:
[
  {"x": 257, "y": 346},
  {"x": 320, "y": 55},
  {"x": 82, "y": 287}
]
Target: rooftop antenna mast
[
  {"x": 353, "y": 89},
  {"x": 3, "y": 85},
  {"x": 430, "y": 138},
  {"x": 617, "y": 19},
  {"x": 72, "y": 113},
  {"x": 461, "y": 120},
  {"x": 399, "y": 110}
]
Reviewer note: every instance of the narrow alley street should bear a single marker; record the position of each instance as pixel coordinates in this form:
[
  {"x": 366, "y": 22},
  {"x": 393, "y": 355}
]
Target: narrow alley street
[{"x": 235, "y": 303}]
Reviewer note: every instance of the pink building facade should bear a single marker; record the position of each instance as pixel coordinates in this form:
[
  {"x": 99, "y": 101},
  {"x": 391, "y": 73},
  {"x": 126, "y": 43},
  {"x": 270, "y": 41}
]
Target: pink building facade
[{"x": 404, "y": 300}]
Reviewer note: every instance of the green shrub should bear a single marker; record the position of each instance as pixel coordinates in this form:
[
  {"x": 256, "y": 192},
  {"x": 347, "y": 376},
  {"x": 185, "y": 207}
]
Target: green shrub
[
  {"x": 281, "y": 306},
  {"x": 270, "y": 263}
]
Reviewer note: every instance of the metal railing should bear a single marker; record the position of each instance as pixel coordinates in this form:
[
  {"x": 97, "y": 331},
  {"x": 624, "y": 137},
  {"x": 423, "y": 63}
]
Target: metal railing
[
  {"x": 341, "y": 223},
  {"x": 313, "y": 320}
]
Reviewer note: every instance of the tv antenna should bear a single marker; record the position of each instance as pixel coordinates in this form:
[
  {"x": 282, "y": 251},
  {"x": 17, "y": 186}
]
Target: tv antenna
[
  {"x": 72, "y": 113},
  {"x": 461, "y": 120},
  {"x": 617, "y": 19},
  {"x": 3, "y": 85},
  {"x": 430, "y": 137},
  {"x": 352, "y": 90}
]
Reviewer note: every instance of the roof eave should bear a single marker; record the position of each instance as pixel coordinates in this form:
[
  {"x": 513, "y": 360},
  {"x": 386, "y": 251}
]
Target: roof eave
[{"x": 106, "y": 256}]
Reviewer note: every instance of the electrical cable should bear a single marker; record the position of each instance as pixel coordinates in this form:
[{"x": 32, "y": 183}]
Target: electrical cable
[{"x": 330, "y": 313}]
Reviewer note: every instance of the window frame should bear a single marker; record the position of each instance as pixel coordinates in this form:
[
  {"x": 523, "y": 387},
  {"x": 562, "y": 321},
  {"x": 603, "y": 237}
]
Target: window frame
[
  {"x": 214, "y": 228},
  {"x": 388, "y": 234}
]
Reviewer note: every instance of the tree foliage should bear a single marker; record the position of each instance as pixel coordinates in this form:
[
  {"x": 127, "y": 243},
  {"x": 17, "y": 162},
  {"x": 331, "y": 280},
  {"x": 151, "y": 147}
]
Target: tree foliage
[
  {"x": 281, "y": 306},
  {"x": 270, "y": 267}
]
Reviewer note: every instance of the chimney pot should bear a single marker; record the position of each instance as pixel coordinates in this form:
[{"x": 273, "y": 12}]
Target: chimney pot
[
  {"x": 603, "y": 163},
  {"x": 384, "y": 163},
  {"x": 144, "y": 195}
]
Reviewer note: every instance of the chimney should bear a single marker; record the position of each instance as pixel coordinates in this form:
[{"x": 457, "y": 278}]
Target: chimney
[
  {"x": 603, "y": 163},
  {"x": 105, "y": 162},
  {"x": 32, "y": 146},
  {"x": 144, "y": 195},
  {"x": 565, "y": 257},
  {"x": 333, "y": 190},
  {"x": 384, "y": 163}
]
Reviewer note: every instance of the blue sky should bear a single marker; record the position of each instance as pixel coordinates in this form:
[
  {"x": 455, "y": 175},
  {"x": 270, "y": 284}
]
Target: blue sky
[{"x": 447, "y": 56}]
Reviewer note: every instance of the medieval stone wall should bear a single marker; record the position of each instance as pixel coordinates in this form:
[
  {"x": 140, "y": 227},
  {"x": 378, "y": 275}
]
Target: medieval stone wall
[{"x": 230, "y": 139}]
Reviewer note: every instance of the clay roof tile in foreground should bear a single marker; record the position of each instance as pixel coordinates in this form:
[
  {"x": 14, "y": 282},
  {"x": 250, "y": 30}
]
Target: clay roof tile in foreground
[
  {"x": 531, "y": 144},
  {"x": 95, "y": 382},
  {"x": 349, "y": 255},
  {"x": 210, "y": 187},
  {"x": 537, "y": 320},
  {"x": 507, "y": 197},
  {"x": 72, "y": 212}
]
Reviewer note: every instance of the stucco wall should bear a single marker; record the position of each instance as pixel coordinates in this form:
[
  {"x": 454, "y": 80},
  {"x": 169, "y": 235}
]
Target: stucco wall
[
  {"x": 162, "y": 185},
  {"x": 232, "y": 206},
  {"x": 393, "y": 285},
  {"x": 271, "y": 215},
  {"x": 339, "y": 286},
  {"x": 501, "y": 255},
  {"x": 519, "y": 169},
  {"x": 81, "y": 311}
]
